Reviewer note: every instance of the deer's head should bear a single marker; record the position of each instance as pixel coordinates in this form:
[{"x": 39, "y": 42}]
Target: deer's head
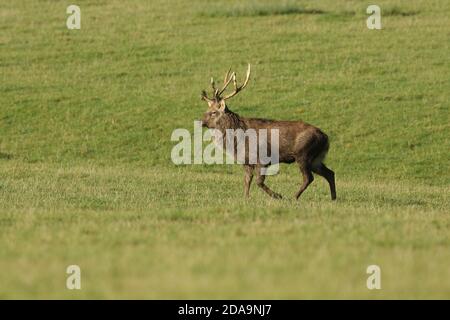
[{"x": 217, "y": 106}]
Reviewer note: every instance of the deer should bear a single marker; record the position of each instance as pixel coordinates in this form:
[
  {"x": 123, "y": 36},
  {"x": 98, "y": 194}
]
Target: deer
[{"x": 299, "y": 142}]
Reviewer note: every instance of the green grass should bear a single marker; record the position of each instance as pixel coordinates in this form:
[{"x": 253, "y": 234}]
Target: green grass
[{"x": 85, "y": 172}]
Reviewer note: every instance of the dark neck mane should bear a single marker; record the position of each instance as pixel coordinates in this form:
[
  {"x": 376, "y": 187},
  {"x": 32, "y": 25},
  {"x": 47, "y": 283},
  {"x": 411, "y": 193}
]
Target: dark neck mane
[{"x": 230, "y": 120}]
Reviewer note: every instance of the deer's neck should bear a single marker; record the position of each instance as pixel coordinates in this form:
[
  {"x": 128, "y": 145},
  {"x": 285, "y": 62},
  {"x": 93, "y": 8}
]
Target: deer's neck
[{"x": 231, "y": 120}]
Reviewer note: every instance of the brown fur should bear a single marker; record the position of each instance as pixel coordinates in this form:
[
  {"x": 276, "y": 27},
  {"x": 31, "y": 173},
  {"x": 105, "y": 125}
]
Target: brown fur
[{"x": 299, "y": 142}]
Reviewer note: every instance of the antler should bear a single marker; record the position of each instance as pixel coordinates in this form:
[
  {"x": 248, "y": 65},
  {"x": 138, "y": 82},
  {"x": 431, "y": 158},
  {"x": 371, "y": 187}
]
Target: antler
[
  {"x": 204, "y": 95},
  {"x": 214, "y": 87},
  {"x": 236, "y": 88},
  {"x": 226, "y": 81}
]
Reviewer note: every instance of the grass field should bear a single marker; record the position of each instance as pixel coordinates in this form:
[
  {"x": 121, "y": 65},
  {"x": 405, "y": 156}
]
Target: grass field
[{"x": 86, "y": 177}]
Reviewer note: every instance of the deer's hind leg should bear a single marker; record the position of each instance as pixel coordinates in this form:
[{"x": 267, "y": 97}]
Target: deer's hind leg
[
  {"x": 260, "y": 182},
  {"x": 328, "y": 174},
  {"x": 308, "y": 177}
]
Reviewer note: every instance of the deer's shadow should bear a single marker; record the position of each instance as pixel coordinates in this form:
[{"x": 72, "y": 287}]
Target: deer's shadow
[{"x": 5, "y": 156}]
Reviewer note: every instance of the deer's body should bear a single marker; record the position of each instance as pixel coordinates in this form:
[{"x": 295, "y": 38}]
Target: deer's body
[{"x": 299, "y": 141}]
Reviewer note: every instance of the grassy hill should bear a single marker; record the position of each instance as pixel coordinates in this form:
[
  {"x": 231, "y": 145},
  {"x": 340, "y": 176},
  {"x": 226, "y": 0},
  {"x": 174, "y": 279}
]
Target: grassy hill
[{"x": 85, "y": 171}]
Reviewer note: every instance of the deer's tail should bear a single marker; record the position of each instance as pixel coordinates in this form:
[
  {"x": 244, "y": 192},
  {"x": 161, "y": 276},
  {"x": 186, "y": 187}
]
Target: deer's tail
[{"x": 322, "y": 150}]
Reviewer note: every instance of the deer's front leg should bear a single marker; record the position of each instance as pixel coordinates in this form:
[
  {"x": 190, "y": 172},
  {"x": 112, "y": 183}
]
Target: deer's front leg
[
  {"x": 248, "y": 179},
  {"x": 260, "y": 181}
]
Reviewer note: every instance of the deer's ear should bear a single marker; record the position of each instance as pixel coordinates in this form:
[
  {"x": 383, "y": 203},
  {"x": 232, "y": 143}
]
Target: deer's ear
[{"x": 223, "y": 105}]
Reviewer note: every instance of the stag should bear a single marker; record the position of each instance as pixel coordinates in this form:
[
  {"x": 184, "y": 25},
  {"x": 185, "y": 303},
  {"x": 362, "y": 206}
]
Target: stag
[{"x": 299, "y": 141}]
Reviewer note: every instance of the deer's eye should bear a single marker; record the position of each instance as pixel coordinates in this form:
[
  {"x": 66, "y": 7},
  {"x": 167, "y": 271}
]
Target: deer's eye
[{"x": 213, "y": 113}]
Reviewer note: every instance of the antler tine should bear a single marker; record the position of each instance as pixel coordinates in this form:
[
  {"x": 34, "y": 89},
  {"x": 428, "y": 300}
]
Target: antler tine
[
  {"x": 236, "y": 88},
  {"x": 204, "y": 96},
  {"x": 235, "y": 82},
  {"x": 213, "y": 85},
  {"x": 226, "y": 83},
  {"x": 247, "y": 77},
  {"x": 226, "y": 76}
]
